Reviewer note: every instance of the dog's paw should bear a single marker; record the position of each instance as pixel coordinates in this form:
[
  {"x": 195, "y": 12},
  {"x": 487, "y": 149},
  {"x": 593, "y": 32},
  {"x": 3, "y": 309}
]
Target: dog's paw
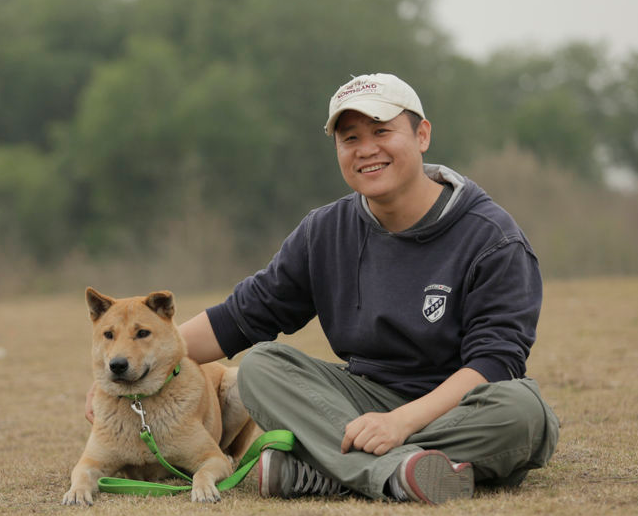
[
  {"x": 78, "y": 497},
  {"x": 205, "y": 478},
  {"x": 207, "y": 493}
]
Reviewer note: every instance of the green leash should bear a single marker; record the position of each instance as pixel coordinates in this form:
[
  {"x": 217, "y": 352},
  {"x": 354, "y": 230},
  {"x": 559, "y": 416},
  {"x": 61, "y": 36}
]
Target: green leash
[{"x": 276, "y": 439}]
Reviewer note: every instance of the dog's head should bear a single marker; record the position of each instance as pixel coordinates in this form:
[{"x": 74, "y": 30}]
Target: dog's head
[{"x": 136, "y": 345}]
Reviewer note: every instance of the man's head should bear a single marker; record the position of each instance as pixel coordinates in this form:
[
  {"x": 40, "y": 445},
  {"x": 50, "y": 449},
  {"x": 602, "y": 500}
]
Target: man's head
[
  {"x": 380, "y": 96},
  {"x": 380, "y": 134}
]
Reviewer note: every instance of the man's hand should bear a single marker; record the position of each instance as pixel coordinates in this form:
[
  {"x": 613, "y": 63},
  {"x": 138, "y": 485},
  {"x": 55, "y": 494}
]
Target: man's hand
[
  {"x": 378, "y": 433},
  {"x": 88, "y": 405},
  {"x": 375, "y": 433}
]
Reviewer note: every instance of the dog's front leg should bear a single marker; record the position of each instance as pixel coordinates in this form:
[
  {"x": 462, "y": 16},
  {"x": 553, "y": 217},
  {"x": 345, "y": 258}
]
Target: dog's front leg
[
  {"x": 84, "y": 481},
  {"x": 212, "y": 470}
]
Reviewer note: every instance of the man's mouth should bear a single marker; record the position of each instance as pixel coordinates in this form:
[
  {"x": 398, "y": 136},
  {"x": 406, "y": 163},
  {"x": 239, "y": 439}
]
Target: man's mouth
[{"x": 372, "y": 168}]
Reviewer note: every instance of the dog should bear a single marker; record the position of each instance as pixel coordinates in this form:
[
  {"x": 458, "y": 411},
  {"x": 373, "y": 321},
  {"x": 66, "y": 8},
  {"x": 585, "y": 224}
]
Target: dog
[{"x": 194, "y": 411}]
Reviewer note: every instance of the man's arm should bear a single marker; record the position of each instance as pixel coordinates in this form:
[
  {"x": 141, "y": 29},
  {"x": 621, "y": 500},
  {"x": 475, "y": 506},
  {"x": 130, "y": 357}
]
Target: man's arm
[
  {"x": 200, "y": 339},
  {"x": 378, "y": 433}
]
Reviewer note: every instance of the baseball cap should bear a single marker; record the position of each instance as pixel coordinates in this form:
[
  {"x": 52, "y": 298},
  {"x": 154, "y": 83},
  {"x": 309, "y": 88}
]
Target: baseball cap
[{"x": 380, "y": 96}]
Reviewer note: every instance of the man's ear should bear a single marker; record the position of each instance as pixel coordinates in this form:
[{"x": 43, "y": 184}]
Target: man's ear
[
  {"x": 424, "y": 133},
  {"x": 97, "y": 303},
  {"x": 161, "y": 303}
]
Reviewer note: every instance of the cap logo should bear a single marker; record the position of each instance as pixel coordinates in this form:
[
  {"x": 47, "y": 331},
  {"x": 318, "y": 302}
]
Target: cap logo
[{"x": 357, "y": 88}]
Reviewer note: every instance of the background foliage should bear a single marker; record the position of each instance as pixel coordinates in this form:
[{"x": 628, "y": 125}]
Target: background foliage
[{"x": 162, "y": 144}]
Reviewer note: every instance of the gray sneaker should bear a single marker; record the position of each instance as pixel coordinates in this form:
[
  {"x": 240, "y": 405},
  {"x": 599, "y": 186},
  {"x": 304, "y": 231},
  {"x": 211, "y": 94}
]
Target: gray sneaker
[
  {"x": 284, "y": 476},
  {"x": 429, "y": 476}
]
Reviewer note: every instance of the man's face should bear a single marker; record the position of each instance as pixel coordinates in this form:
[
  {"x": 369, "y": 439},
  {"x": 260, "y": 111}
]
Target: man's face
[{"x": 380, "y": 160}]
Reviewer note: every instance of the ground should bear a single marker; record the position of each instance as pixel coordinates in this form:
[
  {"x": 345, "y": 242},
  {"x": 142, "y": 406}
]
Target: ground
[{"x": 585, "y": 360}]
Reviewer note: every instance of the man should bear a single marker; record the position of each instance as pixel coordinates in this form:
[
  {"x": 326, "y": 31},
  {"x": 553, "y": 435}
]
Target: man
[{"x": 427, "y": 290}]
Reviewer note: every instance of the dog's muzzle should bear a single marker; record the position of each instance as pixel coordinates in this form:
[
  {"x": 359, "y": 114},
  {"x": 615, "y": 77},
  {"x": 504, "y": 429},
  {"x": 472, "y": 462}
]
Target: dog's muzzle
[
  {"x": 118, "y": 365},
  {"x": 123, "y": 373}
]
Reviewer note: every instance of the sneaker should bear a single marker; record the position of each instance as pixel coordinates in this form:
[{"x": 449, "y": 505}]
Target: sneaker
[
  {"x": 284, "y": 476},
  {"x": 429, "y": 476}
]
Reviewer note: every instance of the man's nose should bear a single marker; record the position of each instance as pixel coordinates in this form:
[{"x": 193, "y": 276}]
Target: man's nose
[{"x": 367, "y": 147}]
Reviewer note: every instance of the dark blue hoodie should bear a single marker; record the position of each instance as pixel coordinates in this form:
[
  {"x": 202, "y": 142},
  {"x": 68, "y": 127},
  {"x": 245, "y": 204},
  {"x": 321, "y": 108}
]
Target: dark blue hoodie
[{"x": 405, "y": 309}]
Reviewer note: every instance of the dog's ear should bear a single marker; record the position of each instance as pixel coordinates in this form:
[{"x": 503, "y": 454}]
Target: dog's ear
[
  {"x": 97, "y": 303},
  {"x": 161, "y": 303}
]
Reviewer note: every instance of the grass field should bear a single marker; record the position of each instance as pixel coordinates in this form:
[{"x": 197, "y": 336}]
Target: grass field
[{"x": 585, "y": 359}]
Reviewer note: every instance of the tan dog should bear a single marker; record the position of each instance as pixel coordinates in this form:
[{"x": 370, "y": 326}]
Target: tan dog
[{"x": 195, "y": 417}]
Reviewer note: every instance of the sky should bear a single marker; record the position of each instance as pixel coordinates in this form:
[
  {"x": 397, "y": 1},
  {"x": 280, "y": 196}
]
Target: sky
[{"x": 480, "y": 26}]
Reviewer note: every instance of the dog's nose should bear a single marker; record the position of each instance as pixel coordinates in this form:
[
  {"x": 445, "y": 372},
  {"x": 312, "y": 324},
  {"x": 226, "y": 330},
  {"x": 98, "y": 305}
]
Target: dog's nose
[{"x": 118, "y": 365}]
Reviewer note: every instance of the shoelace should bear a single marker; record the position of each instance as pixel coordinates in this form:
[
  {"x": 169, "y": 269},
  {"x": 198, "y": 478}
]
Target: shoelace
[
  {"x": 310, "y": 481},
  {"x": 396, "y": 490}
]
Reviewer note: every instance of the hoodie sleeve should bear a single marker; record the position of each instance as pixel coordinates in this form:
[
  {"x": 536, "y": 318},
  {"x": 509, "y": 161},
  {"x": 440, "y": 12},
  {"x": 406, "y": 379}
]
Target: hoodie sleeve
[
  {"x": 502, "y": 309},
  {"x": 274, "y": 300}
]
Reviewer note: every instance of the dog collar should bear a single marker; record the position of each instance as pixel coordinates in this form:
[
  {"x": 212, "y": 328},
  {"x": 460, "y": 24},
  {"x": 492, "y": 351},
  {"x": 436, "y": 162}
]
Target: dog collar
[{"x": 136, "y": 397}]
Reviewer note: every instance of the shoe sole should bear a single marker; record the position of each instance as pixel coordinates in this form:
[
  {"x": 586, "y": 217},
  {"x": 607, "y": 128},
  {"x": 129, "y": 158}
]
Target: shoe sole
[
  {"x": 264, "y": 468},
  {"x": 431, "y": 477}
]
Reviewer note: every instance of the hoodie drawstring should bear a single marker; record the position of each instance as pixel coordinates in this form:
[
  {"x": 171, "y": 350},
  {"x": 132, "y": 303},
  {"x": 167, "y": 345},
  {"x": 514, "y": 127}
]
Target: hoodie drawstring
[{"x": 359, "y": 260}]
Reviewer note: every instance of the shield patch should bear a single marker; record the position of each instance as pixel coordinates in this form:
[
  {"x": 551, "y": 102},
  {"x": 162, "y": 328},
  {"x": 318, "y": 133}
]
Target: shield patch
[{"x": 434, "y": 307}]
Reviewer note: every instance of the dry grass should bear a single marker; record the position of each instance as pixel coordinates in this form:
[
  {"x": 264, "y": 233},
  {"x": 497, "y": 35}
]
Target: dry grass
[{"x": 585, "y": 360}]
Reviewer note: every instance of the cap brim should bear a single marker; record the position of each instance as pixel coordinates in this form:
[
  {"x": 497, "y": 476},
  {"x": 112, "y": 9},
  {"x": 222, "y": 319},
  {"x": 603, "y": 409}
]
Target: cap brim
[{"x": 375, "y": 109}]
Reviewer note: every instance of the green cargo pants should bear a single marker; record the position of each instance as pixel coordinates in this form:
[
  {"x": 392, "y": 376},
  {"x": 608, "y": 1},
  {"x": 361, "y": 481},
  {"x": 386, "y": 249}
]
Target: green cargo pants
[{"x": 502, "y": 428}]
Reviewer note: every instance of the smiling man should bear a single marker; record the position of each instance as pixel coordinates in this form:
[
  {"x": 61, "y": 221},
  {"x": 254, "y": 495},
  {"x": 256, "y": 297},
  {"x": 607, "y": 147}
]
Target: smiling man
[
  {"x": 426, "y": 290},
  {"x": 382, "y": 161}
]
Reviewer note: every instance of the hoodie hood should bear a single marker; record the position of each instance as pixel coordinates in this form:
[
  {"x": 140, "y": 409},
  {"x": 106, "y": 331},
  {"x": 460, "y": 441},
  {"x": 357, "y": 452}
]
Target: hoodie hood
[{"x": 465, "y": 196}]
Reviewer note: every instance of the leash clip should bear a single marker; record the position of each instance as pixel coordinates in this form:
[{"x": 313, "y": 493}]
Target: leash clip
[{"x": 139, "y": 410}]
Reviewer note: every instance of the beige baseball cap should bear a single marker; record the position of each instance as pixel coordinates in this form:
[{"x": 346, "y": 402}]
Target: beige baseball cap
[{"x": 380, "y": 96}]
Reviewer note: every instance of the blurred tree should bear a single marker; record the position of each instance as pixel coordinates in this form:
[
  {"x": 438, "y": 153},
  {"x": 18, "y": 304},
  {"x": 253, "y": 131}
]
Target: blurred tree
[
  {"x": 235, "y": 107},
  {"x": 122, "y": 151},
  {"x": 620, "y": 105},
  {"x": 553, "y": 127},
  {"x": 32, "y": 203},
  {"x": 227, "y": 131},
  {"x": 130, "y": 113},
  {"x": 47, "y": 52},
  {"x": 550, "y": 104}
]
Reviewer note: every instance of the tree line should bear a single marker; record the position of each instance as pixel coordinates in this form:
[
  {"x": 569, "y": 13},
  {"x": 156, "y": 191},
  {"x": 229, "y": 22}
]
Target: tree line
[{"x": 118, "y": 117}]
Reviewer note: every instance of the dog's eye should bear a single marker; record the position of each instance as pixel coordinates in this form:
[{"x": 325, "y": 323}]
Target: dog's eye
[
  {"x": 108, "y": 335},
  {"x": 142, "y": 334}
]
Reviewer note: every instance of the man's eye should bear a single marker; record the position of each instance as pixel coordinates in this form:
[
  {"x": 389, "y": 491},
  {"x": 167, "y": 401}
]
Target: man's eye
[
  {"x": 142, "y": 334},
  {"x": 108, "y": 335}
]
